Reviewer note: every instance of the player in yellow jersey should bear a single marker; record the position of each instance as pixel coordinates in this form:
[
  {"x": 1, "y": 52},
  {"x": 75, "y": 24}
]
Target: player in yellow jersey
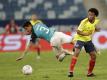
[
  {"x": 34, "y": 20},
  {"x": 84, "y": 39}
]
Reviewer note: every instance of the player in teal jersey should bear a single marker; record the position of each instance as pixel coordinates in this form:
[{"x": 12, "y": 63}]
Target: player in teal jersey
[{"x": 56, "y": 39}]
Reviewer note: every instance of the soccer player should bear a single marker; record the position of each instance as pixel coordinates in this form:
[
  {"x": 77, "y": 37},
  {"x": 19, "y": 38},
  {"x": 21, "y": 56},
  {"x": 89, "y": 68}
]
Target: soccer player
[
  {"x": 84, "y": 39},
  {"x": 35, "y": 44},
  {"x": 56, "y": 39}
]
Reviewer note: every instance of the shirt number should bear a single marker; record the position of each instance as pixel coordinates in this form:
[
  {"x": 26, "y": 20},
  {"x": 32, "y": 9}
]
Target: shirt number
[{"x": 42, "y": 28}]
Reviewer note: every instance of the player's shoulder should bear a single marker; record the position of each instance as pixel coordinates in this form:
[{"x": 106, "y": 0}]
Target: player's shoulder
[
  {"x": 84, "y": 20},
  {"x": 35, "y": 22},
  {"x": 39, "y": 21},
  {"x": 97, "y": 20},
  {"x": 40, "y": 25}
]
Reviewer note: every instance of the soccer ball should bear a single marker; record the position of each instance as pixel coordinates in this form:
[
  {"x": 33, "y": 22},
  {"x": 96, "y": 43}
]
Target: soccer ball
[{"x": 27, "y": 70}]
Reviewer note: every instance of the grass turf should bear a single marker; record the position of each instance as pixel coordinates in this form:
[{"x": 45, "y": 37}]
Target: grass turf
[{"x": 48, "y": 68}]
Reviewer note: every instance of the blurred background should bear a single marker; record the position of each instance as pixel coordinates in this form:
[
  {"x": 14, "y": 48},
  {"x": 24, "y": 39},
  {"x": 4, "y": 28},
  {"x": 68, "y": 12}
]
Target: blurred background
[{"x": 63, "y": 15}]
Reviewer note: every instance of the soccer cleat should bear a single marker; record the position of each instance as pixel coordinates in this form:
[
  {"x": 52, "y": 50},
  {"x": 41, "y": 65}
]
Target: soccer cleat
[
  {"x": 72, "y": 53},
  {"x": 91, "y": 75},
  {"x": 70, "y": 74},
  {"x": 61, "y": 57}
]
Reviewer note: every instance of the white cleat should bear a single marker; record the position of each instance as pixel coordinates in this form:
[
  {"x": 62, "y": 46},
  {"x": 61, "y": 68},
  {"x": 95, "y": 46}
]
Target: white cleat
[
  {"x": 72, "y": 53},
  {"x": 61, "y": 57}
]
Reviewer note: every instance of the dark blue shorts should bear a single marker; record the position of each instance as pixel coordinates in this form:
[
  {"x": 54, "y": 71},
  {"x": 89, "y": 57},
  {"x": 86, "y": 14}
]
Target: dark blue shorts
[{"x": 89, "y": 46}]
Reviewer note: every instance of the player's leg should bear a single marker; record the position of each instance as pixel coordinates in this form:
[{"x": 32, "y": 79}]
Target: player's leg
[
  {"x": 68, "y": 52},
  {"x": 60, "y": 55},
  {"x": 78, "y": 46},
  {"x": 66, "y": 39},
  {"x": 37, "y": 47},
  {"x": 56, "y": 43},
  {"x": 92, "y": 52}
]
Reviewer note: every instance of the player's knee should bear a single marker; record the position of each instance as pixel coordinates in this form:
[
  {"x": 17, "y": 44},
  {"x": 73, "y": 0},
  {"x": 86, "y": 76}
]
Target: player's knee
[
  {"x": 76, "y": 52},
  {"x": 93, "y": 56}
]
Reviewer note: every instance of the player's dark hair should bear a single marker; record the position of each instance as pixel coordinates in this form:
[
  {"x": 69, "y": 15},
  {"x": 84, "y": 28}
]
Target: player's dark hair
[
  {"x": 26, "y": 24},
  {"x": 94, "y": 10}
]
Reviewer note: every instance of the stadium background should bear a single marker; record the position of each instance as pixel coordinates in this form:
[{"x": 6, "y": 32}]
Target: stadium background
[{"x": 64, "y": 15}]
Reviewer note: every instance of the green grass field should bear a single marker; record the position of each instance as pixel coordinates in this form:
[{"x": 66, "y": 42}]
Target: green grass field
[{"x": 48, "y": 68}]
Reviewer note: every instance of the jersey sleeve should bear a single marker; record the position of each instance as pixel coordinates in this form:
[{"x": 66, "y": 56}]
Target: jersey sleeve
[
  {"x": 81, "y": 26},
  {"x": 98, "y": 25},
  {"x": 98, "y": 22}
]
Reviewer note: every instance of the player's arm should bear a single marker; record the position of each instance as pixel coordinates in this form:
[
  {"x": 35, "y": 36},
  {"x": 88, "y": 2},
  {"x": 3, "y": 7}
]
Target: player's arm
[
  {"x": 80, "y": 29},
  {"x": 97, "y": 26},
  {"x": 97, "y": 29},
  {"x": 31, "y": 40},
  {"x": 83, "y": 33},
  {"x": 24, "y": 52}
]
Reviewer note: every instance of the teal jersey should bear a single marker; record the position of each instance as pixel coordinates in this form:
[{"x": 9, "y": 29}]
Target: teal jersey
[{"x": 40, "y": 30}]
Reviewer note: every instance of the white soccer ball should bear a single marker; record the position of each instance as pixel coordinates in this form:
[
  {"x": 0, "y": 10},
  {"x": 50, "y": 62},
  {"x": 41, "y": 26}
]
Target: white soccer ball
[{"x": 27, "y": 70}]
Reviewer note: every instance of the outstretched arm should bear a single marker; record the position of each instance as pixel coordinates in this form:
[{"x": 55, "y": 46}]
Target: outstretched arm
[
  {"x": 24, "y": 53},
  {"x": 26, "y": 49},
  {"x": 31, "y": 38}
]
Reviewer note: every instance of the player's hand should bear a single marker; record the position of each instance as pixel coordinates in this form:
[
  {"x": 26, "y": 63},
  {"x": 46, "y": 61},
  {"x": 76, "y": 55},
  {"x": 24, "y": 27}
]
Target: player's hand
[{"x": 20, "y": 58}]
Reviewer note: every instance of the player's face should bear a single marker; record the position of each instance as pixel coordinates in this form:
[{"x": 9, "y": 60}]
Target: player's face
[
  {"x": 28, "y": 30},
  {"x": 91, "y": 16}
]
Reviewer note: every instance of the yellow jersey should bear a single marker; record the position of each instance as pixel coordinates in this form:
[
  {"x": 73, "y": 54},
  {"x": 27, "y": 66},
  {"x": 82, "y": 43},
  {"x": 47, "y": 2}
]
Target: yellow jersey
[
  {"x": 34, "y": 22},
  {"x": 86, "y": 27}
]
